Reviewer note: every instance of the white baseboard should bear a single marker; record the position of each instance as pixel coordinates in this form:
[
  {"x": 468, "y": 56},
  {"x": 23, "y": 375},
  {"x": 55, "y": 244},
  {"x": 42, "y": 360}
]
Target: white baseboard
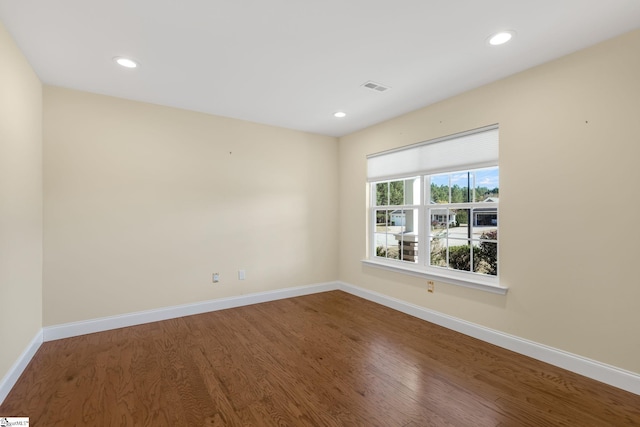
[
  {"x": 602, "y": 372},
  {"x": 73, "y": 329},
  {"x": 19, "y": 366}
]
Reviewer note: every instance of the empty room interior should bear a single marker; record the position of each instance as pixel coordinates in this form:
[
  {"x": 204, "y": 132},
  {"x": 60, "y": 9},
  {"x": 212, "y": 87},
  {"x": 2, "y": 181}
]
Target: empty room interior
[{"x": 289, "y": 213}]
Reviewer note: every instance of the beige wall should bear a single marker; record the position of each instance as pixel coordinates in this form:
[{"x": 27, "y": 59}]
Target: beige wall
[
  {"x": 143, "y": 203},
  {"x": 569, "y": 203},
  {"x": 20, "y": 203}
]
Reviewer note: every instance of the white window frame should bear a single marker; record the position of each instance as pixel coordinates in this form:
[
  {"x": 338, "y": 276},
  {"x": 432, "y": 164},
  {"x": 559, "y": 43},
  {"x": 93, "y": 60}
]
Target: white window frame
[{"x": 423, "y": 268}]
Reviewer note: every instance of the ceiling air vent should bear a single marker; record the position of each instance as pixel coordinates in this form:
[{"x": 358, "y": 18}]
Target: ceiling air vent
[{"x": 375, "y": 86}]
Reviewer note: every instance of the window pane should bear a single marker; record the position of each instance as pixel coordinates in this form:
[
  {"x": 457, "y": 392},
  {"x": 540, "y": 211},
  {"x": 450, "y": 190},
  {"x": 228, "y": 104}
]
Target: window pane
[
  {"x": 440, "y": 219},
  {"x": 485, "y": 219},
  {"x": 382, "y": 194},
  {"x": 380, "y": 234},
  {"x": 412, "y": 191},
  {"x": 438, "y": 255},
  {"x": 382, "y": 220},
  {"x": 487, "y": 185},
  {"x": 407, "y": 235},
  {"x": 439, "y": 185},
  {"x": 460, "y": 217},
  {"x": 490, "y": 234},
  {"x": 487, "y": 258},
  {"x": 461, "y": 187},
  {"x": 398, "y": 220},
  {"x": 458, "y": 224},
  {"x": 460, "y": 254},
  {"x": 396, "y": 193},
  {"x": 488, "y": 250}
]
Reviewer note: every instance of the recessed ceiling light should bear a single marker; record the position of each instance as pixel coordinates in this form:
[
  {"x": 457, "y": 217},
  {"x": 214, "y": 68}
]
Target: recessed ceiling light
[
  {"x": 501, "y": 38},
  {"x": 125, "y": 62},
  {"x": 340, "y": 114}
]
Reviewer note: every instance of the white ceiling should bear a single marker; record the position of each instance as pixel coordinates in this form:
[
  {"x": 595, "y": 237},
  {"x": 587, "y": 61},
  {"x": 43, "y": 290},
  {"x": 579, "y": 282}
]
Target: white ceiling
[{"x": 293, "y": 63}]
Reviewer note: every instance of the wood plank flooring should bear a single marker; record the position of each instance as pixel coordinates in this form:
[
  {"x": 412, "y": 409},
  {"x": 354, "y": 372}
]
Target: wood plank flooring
[{"x": 328, "y": 359}]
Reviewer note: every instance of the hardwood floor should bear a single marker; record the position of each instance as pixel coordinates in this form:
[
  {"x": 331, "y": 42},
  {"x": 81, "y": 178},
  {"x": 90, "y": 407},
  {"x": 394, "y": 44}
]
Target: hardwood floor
[{"x": 328, "y": 359}]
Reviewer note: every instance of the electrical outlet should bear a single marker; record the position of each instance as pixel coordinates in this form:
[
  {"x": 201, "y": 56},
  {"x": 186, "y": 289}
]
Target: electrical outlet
[
  {"x": 215, "y": 277},
  {"x": 430, "y": 286},
  {"x": 241, "y": 275}
]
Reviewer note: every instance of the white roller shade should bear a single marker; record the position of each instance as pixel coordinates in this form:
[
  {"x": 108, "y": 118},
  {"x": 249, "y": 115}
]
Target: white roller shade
[{"x": 467, "y": 150}]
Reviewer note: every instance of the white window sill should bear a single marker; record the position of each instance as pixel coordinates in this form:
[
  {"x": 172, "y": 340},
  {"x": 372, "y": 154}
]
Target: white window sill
[{"x": 474, "y": 282}]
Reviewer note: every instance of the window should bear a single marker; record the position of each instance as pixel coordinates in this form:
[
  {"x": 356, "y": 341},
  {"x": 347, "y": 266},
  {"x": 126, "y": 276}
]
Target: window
[{"x": 434, "y": 209}]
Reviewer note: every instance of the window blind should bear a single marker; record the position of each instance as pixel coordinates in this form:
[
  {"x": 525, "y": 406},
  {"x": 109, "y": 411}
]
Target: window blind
[{"x": 468, "y": 150}]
